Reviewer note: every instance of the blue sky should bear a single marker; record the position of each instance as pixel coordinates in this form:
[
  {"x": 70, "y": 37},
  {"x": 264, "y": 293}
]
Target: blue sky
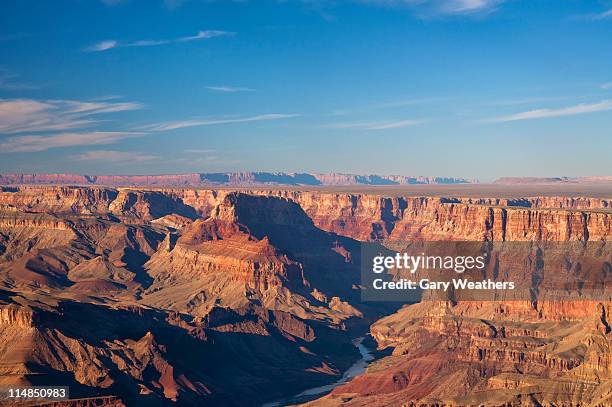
[{"x": 470, "y": 88}]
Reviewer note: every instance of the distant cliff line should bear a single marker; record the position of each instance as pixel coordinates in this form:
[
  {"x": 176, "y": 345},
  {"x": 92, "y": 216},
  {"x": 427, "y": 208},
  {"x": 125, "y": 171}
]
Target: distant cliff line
[{"x": 229, "y": 179}]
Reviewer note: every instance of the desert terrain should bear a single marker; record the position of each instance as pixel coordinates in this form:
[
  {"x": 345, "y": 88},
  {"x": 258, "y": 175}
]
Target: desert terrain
[{"x": 250, "y": 294}]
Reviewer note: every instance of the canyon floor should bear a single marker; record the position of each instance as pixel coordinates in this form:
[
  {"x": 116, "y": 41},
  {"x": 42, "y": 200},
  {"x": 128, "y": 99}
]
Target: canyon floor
[{"x": 243, "y": 296}]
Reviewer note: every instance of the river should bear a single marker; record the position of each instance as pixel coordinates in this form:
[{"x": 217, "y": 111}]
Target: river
[{"x": 356, "y": 369}]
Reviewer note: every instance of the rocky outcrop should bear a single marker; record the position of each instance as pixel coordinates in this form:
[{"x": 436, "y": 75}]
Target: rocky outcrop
[
  {"x": 255, "y": 250},
  {"x": 17, "y": 316},
  {"x": 59, "y": 199},
  {"x": 148, "y": 205}
]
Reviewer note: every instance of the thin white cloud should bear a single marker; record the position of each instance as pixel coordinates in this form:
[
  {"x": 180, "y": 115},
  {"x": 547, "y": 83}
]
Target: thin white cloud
[
  {"x": 229, "y": 89},
  {"x": 114, "y": 156},
  {"x": 584, "y": 108},
  {"x": 102, "y": 46},
  {"x": 144, "y": 43},
  {"x": 78, "y": 107},
  {"x": 469, "y": 6},
  {"x": 112, "y": 44},
  {"x": 387, "y": 125},
  {"x": 34, "y": 143},
  {"x": 606, "y": 86},
  {"x": 29, "y": 115},
  {"x": 394, "y": 125},
  {"x": 107, "y": 97},
  {"x": 600, "y": 16},
  {"x": 210, "y": 122},
  {"x": 206, "y": 34},
  {"x": 427, "y": 8},
  {"x": 390, "y": 105},
  {"x": 522, "y": 101}
]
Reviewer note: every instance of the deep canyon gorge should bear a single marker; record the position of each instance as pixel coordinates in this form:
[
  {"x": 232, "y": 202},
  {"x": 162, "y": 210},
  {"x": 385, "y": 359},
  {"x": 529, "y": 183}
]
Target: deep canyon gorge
[{"x": 221, "y": 296}]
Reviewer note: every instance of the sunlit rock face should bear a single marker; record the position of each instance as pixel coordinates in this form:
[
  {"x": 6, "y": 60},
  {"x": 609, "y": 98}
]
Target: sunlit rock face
[{"x": 178, "y": 294}]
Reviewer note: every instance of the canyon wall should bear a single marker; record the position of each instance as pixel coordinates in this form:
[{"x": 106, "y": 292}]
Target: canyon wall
[
  {"x": 359, "y": 216},
  {"x": 90, "y": 274}
]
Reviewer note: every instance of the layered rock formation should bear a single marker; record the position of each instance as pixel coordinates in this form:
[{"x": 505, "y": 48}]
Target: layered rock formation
[
  {"x": 488, "y": 354},
  {"x": 179, "y": 294},
  {"x": 361, "y": 216}
]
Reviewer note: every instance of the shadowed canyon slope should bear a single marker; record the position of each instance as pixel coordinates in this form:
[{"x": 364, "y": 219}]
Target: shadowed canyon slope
[{"x": 221, "y": 297}]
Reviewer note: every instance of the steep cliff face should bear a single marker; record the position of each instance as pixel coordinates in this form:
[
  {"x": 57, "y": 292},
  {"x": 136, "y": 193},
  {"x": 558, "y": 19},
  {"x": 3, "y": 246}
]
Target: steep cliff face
[
  {"x": 359, "y": 216},
  {"x": 59, "y": 199},
  {"x": 371, "y": 217},
  {"x": 149, "y": 205},
  {"x": 458, "y": 221},
  {"x": 20, "y": 317}
]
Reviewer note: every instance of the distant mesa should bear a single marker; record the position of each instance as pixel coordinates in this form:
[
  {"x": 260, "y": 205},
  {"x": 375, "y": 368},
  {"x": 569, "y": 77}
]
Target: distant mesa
[{"x": 228, "y": 179}]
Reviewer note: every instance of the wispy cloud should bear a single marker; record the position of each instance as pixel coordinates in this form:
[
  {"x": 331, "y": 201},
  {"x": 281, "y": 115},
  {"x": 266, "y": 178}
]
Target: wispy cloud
[
  {"x": 565, "y": 111},
  {"x": 107, "y": 97},
  {"x": 34, "y": 143},
  {"x": 229, "y": 89},
  {"x": 112, "y": 44},
  {"x": 29, "y": 115},
  {"x": 597, "y": 16},
  {"x": 180, "y": 124},
  {"x": 389, "y": 105},
  {"x": 102, "y": 46},
  {"x": 469, "y": 6},
  {"x": 443, "y": 7},
  {"x": 387, "y": 125},
  {"x": 606, "y": 86},
  {"x": 114, "y": 156},
  {"x": 395, "y": 125},
  {"x": 522, "y": 101}
]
